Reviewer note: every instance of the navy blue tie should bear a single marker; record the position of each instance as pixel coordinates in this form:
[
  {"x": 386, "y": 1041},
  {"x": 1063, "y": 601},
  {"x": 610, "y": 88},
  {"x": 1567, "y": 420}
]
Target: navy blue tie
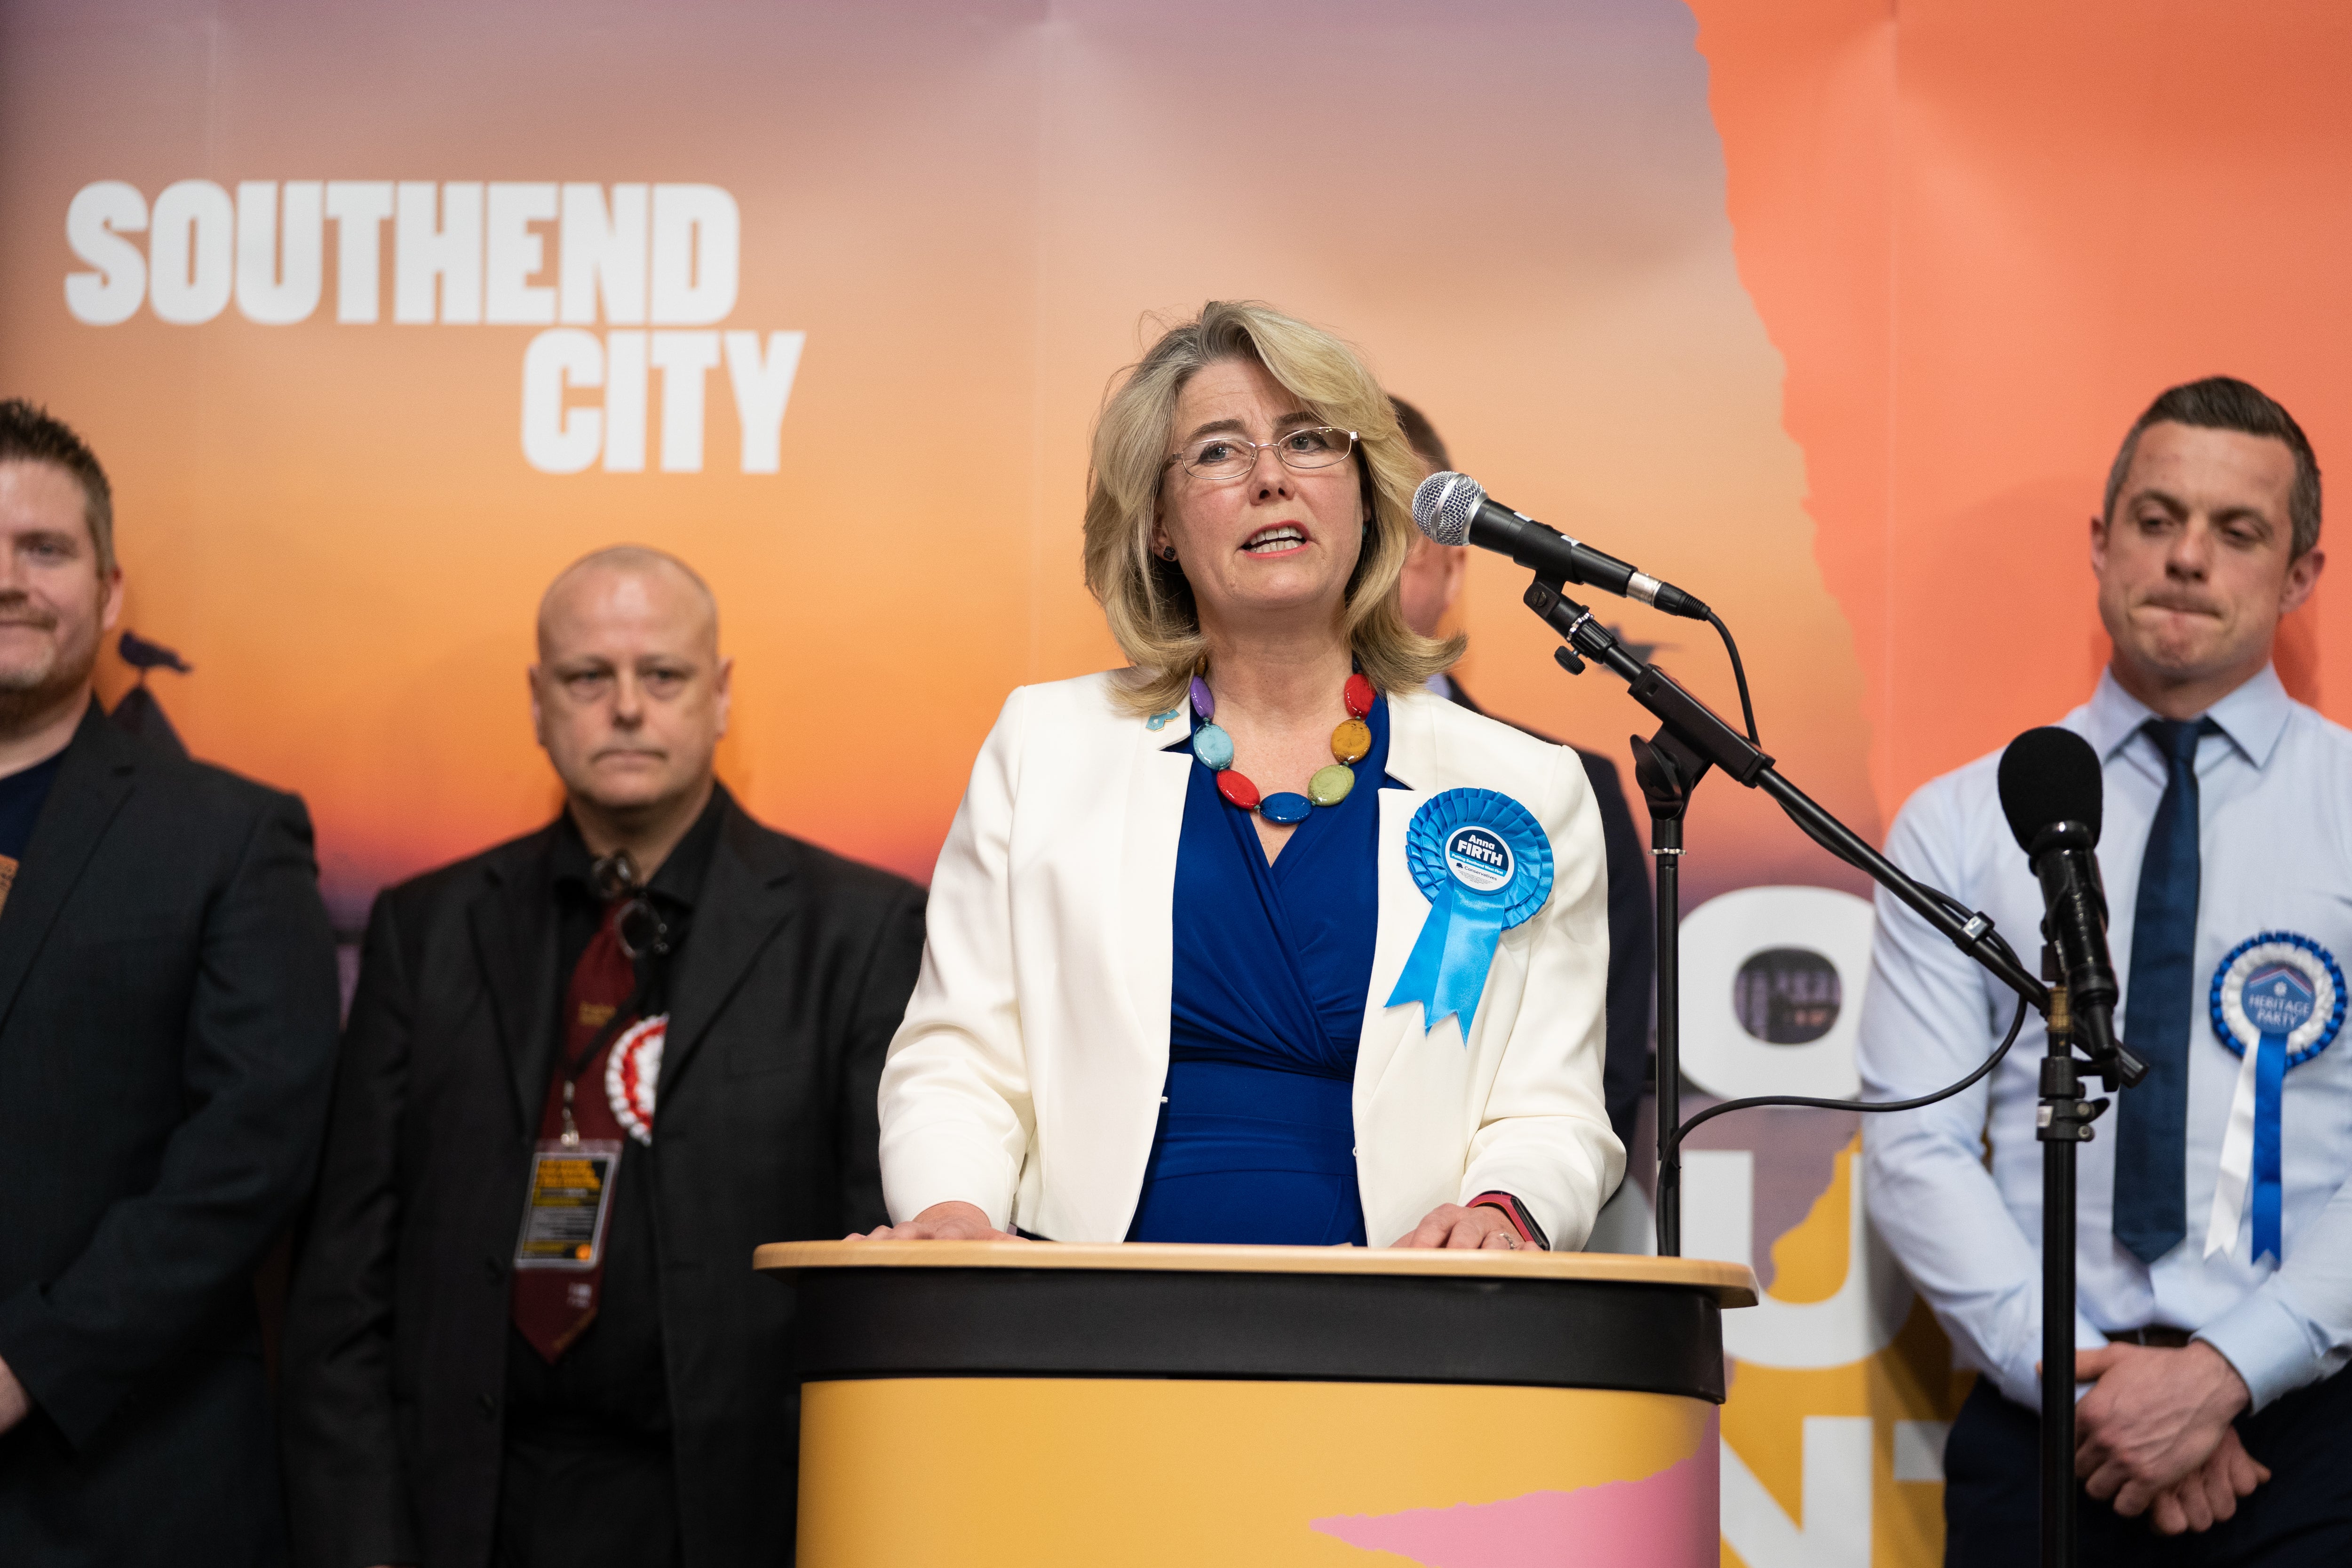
[{"x": 2152, "y": 1182}]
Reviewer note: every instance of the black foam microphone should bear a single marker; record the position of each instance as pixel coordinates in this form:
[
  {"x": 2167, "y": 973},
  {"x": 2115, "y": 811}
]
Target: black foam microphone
[
  {"x": 2052, "y": 791},
  {"x": 1453, "y": 509}
]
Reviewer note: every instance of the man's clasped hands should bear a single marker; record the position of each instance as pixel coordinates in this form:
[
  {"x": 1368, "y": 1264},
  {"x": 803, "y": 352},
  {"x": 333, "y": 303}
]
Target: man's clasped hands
[{"x": 2154, "y": 1433}]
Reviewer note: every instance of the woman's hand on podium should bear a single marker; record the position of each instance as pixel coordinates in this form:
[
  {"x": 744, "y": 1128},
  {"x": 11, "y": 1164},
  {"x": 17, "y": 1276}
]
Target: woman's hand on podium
[
  {"x": 1451, "y": 1225},
  {"x": 940, "y": 1222}
]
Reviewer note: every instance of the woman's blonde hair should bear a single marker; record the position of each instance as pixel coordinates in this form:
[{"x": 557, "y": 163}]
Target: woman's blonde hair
[{"x": 1147, "y": 600}]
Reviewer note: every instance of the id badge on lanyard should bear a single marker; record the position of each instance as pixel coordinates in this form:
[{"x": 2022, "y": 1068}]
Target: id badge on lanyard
[{"x": 571, "y": 1200}]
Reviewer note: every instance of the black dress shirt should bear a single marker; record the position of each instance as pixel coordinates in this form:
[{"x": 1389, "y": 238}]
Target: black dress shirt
[
  {"x": 611, "y": 1378},
  {"x": 22, "y": 796}
]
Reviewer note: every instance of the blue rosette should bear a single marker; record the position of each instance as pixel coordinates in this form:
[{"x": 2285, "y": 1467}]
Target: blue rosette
[
  {"x": 2277, "y": 1000},
  {"x": 1485, "y": 864}
]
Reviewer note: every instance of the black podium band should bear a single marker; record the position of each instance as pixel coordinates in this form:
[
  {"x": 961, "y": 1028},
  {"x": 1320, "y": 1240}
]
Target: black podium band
[{"x": 1325, "y": 1328}]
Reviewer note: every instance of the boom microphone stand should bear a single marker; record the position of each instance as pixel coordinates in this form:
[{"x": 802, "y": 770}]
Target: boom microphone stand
[{"x": 1691, "y": 740}]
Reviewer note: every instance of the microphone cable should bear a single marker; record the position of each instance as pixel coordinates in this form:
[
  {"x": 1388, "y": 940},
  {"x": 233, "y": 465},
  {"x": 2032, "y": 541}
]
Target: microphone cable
[
  {"x": 1809, "y": 1102},
  {"x": 1812, "y": 1102},
  {"x": 1739, "y": 674}
]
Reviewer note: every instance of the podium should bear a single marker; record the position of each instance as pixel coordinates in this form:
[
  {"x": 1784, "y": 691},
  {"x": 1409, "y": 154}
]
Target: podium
[{"x": 971, "y": 1403}]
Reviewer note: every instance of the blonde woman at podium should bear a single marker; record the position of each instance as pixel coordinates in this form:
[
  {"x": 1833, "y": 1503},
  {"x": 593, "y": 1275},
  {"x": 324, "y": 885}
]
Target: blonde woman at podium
[{"x": 1257, "y": 941}]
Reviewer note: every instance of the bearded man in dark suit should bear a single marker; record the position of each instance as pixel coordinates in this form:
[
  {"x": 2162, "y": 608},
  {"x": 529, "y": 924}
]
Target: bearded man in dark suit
[
  {"x": 587, "y": 1072},
  {"x": 167, "y": 1038}
]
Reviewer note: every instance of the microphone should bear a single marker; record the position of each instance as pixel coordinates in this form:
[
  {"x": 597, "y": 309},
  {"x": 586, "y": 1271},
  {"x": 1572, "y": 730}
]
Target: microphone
[
  {"x": 2052, "y": 791},
  {"x": 1453, "y": 509}
]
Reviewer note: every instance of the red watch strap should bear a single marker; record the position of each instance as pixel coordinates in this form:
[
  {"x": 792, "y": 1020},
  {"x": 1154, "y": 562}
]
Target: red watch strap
[{"x": 1521, "y": 1221}]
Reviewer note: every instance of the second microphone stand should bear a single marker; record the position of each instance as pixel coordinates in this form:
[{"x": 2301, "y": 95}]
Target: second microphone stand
[{"x": 1692, "y": 739}]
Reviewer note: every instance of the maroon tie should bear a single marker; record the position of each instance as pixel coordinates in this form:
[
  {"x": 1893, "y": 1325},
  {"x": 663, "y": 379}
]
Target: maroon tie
[{"x": 553, "y": 1306}]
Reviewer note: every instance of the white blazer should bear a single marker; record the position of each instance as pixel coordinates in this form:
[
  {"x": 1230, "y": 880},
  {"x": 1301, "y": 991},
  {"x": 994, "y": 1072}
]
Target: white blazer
[{"x": 1026, "y": 1077}]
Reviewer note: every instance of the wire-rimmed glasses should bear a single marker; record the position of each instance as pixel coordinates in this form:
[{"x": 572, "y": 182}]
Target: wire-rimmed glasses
[{"x": 1220, "y": 459}]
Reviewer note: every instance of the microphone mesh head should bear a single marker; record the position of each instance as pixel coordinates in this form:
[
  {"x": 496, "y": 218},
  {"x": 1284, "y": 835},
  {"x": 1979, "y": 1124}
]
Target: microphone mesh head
[
  {"x": 2049, "y": 775},
  {"x": 1444, "y": 504}
]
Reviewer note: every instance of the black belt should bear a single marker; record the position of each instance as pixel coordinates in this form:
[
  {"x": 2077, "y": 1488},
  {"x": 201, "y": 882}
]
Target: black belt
[{"x": 2157, "y": 1336}]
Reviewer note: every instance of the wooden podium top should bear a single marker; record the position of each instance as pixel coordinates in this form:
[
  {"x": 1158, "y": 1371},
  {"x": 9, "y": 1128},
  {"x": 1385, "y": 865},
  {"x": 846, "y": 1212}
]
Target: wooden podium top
[{"x": 1731, "y": 1284}]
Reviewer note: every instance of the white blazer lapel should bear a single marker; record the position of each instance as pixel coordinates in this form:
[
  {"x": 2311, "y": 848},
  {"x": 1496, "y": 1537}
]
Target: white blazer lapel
[{"x": 1147, "y": 879}]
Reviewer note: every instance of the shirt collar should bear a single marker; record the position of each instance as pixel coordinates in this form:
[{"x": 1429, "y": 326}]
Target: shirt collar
[
  {"x": 678, "y": 880},
  {"x": 2252, "y": 717}
]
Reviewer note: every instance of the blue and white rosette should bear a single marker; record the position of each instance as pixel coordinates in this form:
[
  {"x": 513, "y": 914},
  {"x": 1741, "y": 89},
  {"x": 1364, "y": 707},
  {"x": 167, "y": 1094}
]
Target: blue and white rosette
[
  {"x": 2278, "y": 1001},
  {"x": 1482, "y": 862}
]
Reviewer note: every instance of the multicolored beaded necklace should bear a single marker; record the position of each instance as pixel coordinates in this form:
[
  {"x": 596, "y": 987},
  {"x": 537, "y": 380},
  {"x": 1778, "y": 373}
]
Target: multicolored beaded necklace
[{"x": 1349, "y": 745}]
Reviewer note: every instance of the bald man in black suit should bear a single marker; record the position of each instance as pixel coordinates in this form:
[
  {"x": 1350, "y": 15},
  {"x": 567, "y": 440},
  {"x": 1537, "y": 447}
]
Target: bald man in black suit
[{"x": 654, "y": 974}]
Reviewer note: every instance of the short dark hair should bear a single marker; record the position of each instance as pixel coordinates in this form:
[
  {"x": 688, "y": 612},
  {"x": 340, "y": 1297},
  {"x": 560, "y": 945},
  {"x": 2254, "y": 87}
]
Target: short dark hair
[
  {"x": 1422, "y": 435},
  {"x": 2225, "y": 402},
  {"x": 30, "y": 433}
]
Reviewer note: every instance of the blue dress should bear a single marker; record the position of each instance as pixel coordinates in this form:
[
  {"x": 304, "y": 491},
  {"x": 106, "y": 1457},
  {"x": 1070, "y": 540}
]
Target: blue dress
[{"x": 1256, "y": 1139}]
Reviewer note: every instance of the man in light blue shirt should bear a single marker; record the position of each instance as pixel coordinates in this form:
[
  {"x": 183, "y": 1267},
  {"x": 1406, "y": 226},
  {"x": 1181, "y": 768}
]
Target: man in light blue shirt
[{"x": 2214, "y": 1404}]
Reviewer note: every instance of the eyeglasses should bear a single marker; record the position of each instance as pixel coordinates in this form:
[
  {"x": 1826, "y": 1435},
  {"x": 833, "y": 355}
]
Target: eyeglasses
[{"x": 1220, "y": 459}]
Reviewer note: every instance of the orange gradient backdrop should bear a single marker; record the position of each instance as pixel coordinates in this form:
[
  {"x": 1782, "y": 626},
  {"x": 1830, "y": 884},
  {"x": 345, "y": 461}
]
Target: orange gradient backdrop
[
  {"x": 1517, "y": 211},
  {"x": 1830, "y": 311},
  {"x": 1833, "y": 318},
  {"x": 1984, "y": 234}
]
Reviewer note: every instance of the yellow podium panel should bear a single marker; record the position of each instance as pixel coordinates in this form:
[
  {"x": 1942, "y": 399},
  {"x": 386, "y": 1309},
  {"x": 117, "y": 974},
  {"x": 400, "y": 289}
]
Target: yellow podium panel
[
  {"x": 966, "y": 1472},
  {"x": 970, "y": 1403}
]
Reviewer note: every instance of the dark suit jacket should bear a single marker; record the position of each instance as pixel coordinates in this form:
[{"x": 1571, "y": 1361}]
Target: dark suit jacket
[
  {"x": 783, "y": 999},
  {"x": 167, "y": 1042},
  {"x": 1632, "y": 936}
]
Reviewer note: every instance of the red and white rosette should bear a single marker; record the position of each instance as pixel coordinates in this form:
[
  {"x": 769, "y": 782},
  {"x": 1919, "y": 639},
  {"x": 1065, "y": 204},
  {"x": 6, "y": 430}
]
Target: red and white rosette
[{"x": 631, "y": 1070}]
